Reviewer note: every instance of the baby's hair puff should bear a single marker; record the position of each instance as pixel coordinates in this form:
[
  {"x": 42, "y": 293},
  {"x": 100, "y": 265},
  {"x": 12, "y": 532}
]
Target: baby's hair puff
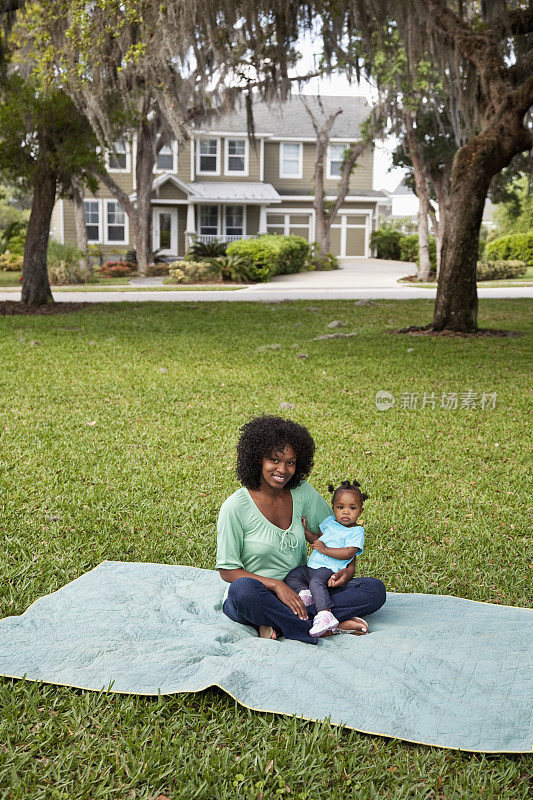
[{"x": 347, "y": 486}]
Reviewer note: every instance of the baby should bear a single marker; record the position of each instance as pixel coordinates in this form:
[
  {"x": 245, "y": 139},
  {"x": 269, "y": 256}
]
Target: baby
[{"x": 341, "y": 539}]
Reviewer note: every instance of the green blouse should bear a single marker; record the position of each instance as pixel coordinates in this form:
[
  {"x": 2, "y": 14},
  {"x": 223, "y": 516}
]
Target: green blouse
[{"x": 247, "y": 540}]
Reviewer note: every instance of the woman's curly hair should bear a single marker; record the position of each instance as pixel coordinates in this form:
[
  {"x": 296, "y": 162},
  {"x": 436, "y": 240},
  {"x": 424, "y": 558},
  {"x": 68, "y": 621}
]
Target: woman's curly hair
[{"x": 261, "y": 438}]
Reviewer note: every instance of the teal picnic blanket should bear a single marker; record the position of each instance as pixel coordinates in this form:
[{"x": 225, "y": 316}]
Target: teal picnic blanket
[{"x": 435, "y": 669}]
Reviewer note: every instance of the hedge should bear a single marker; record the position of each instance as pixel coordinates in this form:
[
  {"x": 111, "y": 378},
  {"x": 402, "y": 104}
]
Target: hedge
[
  {"x": 496, "y": 270},
  {"x": 387, "y": 243},
  {"x": 271, "y": 254},
  {"x": 514, "y": 247},
  {"x": 400, "y": 246}
]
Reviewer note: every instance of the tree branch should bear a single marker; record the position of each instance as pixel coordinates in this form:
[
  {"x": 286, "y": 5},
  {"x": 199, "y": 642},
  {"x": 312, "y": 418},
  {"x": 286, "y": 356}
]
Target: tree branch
[
  {"x": 470, "y": 43},
  {"x": 347, "y": 168}
]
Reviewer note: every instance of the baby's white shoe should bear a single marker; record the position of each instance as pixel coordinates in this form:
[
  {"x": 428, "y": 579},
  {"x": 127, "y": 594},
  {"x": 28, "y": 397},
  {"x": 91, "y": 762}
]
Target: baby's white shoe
[
  {"x": 307, "y": 597},
  {"x": 324, "y": 621}
]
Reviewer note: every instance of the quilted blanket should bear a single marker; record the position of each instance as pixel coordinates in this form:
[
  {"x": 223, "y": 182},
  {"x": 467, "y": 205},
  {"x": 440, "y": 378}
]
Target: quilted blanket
[{"x": 435, "y": 669}]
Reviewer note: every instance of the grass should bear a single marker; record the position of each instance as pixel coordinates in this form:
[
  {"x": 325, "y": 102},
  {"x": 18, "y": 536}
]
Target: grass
[
  {"x": 174, "y": 288},
  {"x": 448, "y": 514},
  {"x": 523, "y": 280},
  {"x": 11, "y": 280}
]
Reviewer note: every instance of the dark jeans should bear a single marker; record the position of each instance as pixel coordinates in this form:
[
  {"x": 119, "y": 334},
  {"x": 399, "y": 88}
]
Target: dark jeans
[
  {"x": 316, "y": 580},
  {"x": 251, "y": 603}
]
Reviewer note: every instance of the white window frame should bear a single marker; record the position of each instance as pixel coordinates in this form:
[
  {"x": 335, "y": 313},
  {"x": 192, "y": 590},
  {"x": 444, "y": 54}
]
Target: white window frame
[
  {"x": 286, "y": 213},
  {"x": 229, "y": 171},
  {"x": 100, "y": 219},
  {"x": 213, "y": 205},
  {"x": 174, "y": 150},
  {"x": 127, "y": 151},
  {"x": 282, "y": 174},
  {"x": 199, "y": 155},
  {"x": 126, "y": 225},
  {"x": 243, "y": 206},
  {"x": 329, "y": 174}
]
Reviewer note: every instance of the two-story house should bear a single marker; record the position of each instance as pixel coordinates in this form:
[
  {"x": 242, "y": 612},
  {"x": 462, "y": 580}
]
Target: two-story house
[{"x": 219, "y": 185}]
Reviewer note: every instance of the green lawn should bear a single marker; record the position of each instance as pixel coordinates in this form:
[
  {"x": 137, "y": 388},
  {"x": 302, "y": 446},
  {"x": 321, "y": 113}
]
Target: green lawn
[
  {"x": 11, "y": 279},
  {"x": 105, "y": 456}
]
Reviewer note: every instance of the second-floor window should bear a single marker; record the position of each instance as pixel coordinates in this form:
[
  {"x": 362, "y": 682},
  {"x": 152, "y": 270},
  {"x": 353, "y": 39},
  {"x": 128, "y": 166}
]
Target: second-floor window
[
  {"x": 290, "y": 160},
  {"x": 236, "y": 157},
  {"x": 119, "y": 161},
  {"x": 335, "y": 159},
  {"x": 208, "y": 156},
  {"x": 167, "y": 158}
]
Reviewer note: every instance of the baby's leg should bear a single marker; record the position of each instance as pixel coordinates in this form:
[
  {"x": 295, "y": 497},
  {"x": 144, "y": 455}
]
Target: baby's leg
[
  {"x": 298, "y": 578},
  {"x": 318, "y": 583}
]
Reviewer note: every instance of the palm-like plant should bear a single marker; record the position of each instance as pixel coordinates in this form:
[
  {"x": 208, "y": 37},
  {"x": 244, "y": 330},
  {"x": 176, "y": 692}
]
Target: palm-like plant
[
  {"x": 204, "y": 251},
  {"x": 232, "y": 268}
]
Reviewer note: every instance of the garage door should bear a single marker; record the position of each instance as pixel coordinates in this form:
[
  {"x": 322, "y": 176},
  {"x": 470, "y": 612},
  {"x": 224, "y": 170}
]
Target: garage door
[
  {"x": 350, "y": 234},
  {"x": 290, "y": 223}
]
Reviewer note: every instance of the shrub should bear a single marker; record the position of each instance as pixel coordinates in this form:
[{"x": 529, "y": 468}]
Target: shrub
[
  {"x": 409, "y": 249},
  {"x": 192, "y": 271},
  {"x": 58, "y": 253},
  {"x": 387, "y": 243},
  {"x": 232, "y": 268},
  {"x": 11, "y": 262},
  {"x": 13, "y": 237},
  {"x": 117, "y": 269},
  {"x": 324, "y": 263},
  {"x": 271, "y": 254},
  {"x": 515, "y": 247},
  {"x": 497, "y": 270},
  {"x": 64, "y": 274},
  {"x": 203, "y": 251},
  {"x": 156, "y": 270}
]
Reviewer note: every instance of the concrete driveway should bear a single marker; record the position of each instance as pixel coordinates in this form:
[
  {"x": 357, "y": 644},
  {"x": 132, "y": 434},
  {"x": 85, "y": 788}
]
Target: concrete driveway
[{"x": 355, "y": 273}]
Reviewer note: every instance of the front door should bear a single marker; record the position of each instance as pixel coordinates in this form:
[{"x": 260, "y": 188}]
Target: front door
[{"x": 165, "y": 231}]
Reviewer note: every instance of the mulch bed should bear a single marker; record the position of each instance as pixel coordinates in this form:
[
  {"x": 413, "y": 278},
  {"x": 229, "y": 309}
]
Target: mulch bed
[
  {"x": 13, "y": 307},
  {"x": 414, "y": 330}
]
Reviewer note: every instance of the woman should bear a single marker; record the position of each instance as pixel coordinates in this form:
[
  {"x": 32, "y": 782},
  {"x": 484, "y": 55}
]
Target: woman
[{"x": 261, "y": 537}]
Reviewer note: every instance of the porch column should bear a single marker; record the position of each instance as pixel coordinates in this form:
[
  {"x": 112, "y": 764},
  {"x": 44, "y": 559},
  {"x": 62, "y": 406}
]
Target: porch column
[
  {"x": 189, "y": 227},
  {"x": 262, "y": 219}
]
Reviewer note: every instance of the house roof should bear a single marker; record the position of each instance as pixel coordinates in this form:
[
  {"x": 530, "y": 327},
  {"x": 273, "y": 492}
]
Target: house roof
[
  {"x": 370, "y": 193},
  {"x": 402, "y": 189},
  {"x": 220, "y": 192},
  {"x": 291, "y": 118},
  {"x": 243, "y": 191}
]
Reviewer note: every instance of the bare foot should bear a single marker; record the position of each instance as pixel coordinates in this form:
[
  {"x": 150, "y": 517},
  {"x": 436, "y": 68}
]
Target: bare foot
[
  {"x": 356, "y": 626},
  {"x": 267, "y": 632}
]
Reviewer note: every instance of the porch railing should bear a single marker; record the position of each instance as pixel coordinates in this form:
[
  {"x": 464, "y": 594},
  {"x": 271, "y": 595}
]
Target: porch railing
[{"x": 213, "y": 237}]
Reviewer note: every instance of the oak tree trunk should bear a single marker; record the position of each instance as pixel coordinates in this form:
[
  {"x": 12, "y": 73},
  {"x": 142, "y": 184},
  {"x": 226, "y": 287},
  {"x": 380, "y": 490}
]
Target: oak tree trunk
[
  {"x": 35, "y": 284},
  {"x": 145, "y": 161},
  {"x": 474, "y": 165}
]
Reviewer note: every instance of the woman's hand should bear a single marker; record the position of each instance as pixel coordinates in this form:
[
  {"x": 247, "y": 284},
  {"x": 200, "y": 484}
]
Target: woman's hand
[
  {"x": 319, "y": 545},
  {"x": 340, "y": 578},
  {"x": 290, "y": 599}
]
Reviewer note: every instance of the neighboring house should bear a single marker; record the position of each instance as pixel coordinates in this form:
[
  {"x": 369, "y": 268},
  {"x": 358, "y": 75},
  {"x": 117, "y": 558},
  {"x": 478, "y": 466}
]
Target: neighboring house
[
  {"x": 219, "y": 186},
  {"x": 402, "y": 205}
]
